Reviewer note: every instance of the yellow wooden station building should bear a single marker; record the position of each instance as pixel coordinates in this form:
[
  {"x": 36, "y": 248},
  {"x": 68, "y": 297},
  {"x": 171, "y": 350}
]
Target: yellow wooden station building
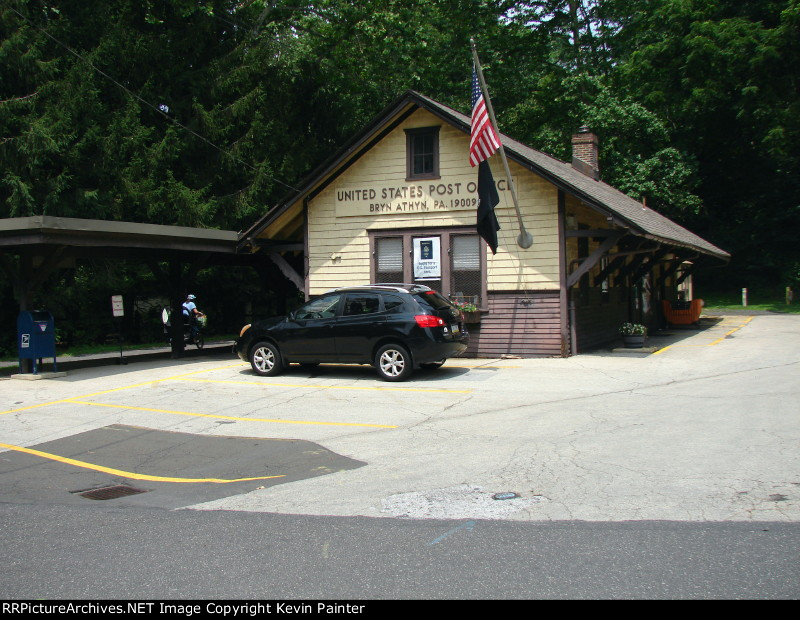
[{"x": 398, "y": 204}]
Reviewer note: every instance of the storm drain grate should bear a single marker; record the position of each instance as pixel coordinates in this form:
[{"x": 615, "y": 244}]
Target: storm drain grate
[{"x": 112, "y": 492}]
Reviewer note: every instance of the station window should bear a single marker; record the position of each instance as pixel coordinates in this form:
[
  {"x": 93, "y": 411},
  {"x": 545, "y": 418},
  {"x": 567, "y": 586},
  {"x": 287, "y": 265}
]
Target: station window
[
  {"x": 389, "y": 260},
  {"x": 462, "y": 262},
  {"x": 422, "y": 153},
  {"x": 466, "y": 275}
]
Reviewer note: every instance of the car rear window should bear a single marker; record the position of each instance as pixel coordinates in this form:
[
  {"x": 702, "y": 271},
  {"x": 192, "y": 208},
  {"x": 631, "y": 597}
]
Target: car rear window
[{"x": 433, "y": 300}]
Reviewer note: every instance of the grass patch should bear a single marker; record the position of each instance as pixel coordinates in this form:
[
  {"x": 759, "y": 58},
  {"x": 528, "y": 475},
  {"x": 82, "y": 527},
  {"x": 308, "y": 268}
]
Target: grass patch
[
  {"x": 757, "y": 301},
  {"x": 779, "y": 308}
]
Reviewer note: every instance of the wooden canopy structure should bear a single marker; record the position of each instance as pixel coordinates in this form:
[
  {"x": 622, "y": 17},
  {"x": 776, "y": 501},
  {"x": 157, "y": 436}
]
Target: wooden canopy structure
[{"x": 32, "y": 248}]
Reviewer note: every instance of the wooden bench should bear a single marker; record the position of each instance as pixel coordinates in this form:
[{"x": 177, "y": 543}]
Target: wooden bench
[{"x": 682, "y": 312}]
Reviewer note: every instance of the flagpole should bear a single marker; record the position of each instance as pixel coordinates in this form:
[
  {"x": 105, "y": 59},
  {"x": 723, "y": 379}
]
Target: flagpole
[{"x": 525, "y": 240}]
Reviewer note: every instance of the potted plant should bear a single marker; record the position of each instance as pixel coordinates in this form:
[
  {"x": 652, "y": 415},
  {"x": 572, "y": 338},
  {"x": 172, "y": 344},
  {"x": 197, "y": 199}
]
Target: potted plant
[
  {"x": 469, "y": 310},
  {"x": 633, "y": 335}
]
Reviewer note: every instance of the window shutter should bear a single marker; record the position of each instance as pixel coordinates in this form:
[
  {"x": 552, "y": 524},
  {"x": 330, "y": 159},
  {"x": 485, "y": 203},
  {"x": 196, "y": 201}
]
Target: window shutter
[
  {"x": 466, "y": 253},
  {"x": 389, "y": 260},
  {"x": 390, "y": 255}
]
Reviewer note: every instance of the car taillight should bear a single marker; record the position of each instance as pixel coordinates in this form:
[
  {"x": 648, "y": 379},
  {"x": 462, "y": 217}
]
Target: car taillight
[{"x": 428, "y": 320}]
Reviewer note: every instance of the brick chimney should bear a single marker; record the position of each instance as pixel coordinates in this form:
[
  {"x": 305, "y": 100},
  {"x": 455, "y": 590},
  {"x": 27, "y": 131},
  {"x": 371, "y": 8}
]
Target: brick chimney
[{"x": 585, "y": 153}]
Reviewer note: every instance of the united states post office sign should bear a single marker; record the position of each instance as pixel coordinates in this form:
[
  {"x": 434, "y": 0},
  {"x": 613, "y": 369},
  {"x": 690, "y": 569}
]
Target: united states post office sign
[{"x": 382, "y": 199}]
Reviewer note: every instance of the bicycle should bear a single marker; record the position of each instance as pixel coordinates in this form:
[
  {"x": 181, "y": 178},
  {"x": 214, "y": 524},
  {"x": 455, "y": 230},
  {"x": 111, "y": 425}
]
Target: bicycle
[{"x": 192, "y": 333}]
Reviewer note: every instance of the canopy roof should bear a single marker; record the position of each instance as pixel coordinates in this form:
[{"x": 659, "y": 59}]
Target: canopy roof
[{"x": 98, "y": 237}]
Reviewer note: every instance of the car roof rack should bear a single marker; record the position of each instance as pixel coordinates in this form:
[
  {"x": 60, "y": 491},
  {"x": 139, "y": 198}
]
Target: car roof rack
[
  {"x": 389, "y": 286},
  {"x": 411, "y": 288}
]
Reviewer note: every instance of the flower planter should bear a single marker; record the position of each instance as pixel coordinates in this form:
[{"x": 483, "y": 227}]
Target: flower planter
[
  {"x": 472, "y": 317},
  {"x": 633, "y": 341}
]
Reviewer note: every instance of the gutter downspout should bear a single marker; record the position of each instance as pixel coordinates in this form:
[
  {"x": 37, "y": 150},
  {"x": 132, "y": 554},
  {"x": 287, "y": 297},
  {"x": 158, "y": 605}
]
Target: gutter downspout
[{"x": 566, "y": 309}]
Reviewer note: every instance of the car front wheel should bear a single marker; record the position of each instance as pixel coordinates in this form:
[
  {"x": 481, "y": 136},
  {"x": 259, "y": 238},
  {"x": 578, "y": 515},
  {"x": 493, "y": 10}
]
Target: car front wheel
[
  {"x": 266, "y": 359},
  {"x": 393, "y": 362}
]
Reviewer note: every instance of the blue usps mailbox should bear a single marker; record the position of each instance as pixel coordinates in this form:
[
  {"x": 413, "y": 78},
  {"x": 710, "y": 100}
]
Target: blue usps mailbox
[{"x": 36, "y": 337}]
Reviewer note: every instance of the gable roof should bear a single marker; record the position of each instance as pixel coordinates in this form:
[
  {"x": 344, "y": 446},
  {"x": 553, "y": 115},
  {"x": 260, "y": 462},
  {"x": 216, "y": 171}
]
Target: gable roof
[{"x": 625, "y": 210}]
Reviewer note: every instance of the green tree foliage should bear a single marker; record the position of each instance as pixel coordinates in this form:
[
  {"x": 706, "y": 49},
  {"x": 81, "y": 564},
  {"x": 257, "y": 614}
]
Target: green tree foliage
[
  {"x": 206, "y": 112},
  {"x": 569, "y": 82},
  {"x": 724, "y": 78}
]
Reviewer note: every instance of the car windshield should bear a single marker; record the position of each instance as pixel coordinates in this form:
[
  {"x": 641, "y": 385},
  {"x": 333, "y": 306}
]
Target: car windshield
[{"x": 322, "y": 308}]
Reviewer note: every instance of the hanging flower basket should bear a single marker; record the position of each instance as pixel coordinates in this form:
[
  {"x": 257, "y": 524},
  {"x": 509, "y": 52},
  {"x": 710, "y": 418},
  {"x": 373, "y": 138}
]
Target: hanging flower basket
[{"x": 468, "y": 308}]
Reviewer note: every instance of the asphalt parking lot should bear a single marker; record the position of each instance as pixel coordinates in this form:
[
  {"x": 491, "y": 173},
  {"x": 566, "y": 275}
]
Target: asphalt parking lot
[{"x": 701, "y": 427}]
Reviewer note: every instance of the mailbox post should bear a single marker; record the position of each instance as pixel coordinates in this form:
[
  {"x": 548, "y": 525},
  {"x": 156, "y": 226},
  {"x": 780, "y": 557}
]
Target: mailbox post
[
  {"x": 118, "y": 310},
  {"x": 36, "y": 337}
]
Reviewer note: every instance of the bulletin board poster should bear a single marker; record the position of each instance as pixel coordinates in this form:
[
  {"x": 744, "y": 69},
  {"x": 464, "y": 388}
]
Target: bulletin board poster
[{"x": 427, "y": 258}]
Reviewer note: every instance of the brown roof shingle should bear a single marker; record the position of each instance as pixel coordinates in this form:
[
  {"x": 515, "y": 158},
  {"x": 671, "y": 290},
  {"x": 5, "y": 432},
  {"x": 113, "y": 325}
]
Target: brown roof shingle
[{"x": 642, "y": 220}]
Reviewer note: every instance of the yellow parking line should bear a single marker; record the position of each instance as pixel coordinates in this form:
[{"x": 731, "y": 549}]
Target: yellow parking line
[
  {"x": 326, "y": 387},
  {"x": 173, "y": 378},
  {"x": 185, "y": 377},
  {"x": 480, "y": 367},
  {"x": 710, "y": 344},
  {"x": 738, "y": 327},
  {"x": 127, "y": 474},
  {"x": 119, "y": 389},
  {"x": 225, "y": 417},
  {"x": 26, "y": 407}
]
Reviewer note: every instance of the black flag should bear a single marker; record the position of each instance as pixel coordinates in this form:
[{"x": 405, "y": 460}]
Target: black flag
[{"x": 487, "y": 201}]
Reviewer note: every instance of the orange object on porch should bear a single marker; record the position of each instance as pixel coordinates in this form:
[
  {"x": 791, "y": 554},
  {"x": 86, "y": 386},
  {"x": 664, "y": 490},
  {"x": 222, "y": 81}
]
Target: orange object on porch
[{"x": 682, "y": 312}]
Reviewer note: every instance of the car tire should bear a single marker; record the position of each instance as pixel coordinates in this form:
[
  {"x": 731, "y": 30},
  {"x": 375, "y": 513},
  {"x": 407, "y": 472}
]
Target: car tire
[
  {"x": 393, "y": 362},
  {"x": 265, "y": 358}
]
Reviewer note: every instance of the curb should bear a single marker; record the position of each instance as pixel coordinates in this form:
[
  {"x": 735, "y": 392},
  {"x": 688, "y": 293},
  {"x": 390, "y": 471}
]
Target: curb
[{"x": 11, "y": 369}]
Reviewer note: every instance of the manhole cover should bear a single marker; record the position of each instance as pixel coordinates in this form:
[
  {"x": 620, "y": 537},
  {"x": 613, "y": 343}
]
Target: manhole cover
[
  {"x": 112, "y": 492},
  {"x": 505, "y": 495}
]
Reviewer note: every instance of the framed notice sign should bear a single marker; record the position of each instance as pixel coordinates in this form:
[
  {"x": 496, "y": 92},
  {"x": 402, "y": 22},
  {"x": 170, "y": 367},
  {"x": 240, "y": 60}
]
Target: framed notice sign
[
  {"x": 117, "y": 308},
  {"x": 427, "y": 258}
]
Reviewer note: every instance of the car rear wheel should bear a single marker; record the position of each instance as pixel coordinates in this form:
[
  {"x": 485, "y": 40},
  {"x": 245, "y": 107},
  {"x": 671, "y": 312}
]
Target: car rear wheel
[
  {"x": 393, "y": 362},
  {"x": 266, "y": 359}
]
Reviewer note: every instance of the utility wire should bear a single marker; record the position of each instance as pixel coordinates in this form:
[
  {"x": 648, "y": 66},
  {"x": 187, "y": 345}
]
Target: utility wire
[{"x": 145, "y": 102}]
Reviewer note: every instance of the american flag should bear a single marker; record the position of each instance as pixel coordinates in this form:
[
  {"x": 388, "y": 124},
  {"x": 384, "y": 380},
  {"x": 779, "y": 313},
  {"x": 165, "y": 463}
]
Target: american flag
[{"x": 484, "y": 140}]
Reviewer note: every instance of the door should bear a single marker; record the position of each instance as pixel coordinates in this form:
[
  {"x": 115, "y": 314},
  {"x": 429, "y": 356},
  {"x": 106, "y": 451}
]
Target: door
[
  {"x": 310, "y": 335},
  {"x": 359, "y": 326}
]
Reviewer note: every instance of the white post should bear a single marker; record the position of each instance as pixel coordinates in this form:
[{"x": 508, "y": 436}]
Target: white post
[{"x": 744, "y": 297}]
